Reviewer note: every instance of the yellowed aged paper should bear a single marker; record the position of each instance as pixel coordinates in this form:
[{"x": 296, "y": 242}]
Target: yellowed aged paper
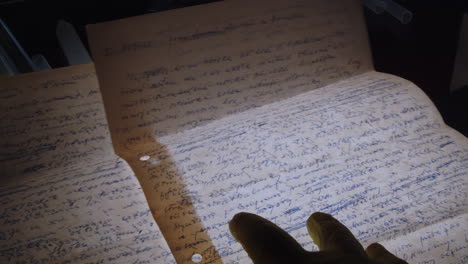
[
  {"x": 274, "y": 108},
  {"x": 188, "y": 67},
  {"x": 64, "y": 196},
  {"x": 230, "y": 56}
]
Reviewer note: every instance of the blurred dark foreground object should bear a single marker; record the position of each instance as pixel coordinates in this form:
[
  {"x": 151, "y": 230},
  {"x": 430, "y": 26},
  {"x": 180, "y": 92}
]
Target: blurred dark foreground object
[{"x": 266, "y": 243}]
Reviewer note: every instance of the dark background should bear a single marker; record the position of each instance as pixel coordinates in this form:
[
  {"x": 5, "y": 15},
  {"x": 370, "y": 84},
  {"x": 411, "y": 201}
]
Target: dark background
[{"x": 422, "y": 51}]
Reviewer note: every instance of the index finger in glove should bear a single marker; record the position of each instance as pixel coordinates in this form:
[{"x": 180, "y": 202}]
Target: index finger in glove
[
  {"x": 264, "y": 241},
  {"x": 330, "y": 235}
]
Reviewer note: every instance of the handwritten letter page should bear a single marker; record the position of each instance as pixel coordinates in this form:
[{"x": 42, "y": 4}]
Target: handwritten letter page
[
  {"x": 273, "y": 108},
  {"x": 371, "y": 150},
  {"x": 64, "y": 196},
  {"x": 240, "y": 56}
]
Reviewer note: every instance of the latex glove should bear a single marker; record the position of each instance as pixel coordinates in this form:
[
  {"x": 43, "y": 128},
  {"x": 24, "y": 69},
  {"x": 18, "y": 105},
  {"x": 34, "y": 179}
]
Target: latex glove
[{"x": 266, "y": 243}]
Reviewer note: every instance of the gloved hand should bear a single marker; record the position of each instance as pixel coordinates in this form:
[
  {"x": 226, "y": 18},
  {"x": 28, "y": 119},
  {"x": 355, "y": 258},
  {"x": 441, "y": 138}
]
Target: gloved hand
[{"x": 266, "y": 243}]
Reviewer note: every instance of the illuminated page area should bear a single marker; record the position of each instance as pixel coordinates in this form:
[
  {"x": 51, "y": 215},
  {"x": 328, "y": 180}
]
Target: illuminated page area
[
  {"x": 64, "y": 196},
  {"x": 442, "y": 242},
  {"x": 169, "y": 72},
  {"x": 372, "y": 151}
]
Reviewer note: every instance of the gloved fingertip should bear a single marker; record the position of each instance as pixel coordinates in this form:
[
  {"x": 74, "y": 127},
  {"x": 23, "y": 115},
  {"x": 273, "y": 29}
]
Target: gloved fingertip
[
  {"x": 241, "y": 220},
  {"x": 329, "y": 234},
  {"x": 263, "y": 240},
  {"x": 319, "y": 216},
  {"x": 376, "y": 249},
  {"x": 380, "y": 254}
]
